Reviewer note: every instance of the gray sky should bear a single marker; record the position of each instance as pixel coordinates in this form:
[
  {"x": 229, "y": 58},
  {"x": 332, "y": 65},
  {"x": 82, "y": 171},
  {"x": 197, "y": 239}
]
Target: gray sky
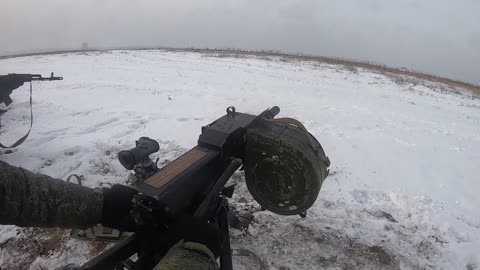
[{"x": 436, "y": 36}]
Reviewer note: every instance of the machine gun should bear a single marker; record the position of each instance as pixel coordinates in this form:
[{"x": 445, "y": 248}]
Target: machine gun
[
  {"x": 284, "y": 165},
  {"x": 10, "y": 82}
]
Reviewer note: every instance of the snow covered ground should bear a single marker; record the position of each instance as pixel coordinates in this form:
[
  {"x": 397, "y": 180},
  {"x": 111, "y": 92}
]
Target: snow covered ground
[{"x": 403, "y": 190}]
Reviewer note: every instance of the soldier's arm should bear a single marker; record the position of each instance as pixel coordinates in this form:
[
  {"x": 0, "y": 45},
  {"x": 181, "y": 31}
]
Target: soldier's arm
[
  {"x": 36, "y": 200},
  {"x": 198, "y": 249},
  {"x": 188, "y": 255}
]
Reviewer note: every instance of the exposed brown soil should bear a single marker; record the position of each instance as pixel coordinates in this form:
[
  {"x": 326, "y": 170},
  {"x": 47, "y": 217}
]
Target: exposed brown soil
[
  {"x": 348, "y": 64},
  {"x": 37, "y": 242}
]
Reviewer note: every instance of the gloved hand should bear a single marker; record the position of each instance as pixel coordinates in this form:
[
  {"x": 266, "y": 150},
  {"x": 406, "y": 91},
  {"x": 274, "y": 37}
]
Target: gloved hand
[
  {"x": 192, "y": 229},
  {"x": 117, "y": 203}
]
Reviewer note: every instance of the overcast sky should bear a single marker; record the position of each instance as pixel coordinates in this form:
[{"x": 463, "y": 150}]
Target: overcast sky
[{"x": 436, "y": 36}]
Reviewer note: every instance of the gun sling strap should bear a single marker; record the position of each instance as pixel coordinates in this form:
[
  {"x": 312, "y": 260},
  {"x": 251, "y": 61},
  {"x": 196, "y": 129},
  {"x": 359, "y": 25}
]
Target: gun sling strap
[{"x": 22, "y": 139}]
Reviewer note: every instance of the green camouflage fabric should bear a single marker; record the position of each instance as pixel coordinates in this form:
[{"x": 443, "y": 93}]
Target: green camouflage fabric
[
  {"x": 187, "y": 256},
  {"x": 36, "y": 200}
]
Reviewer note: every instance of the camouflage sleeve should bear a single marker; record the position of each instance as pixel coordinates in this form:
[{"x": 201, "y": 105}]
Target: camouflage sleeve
[
  {"x": 37, "y": 200},
  {"x": 186, "y": 256}
]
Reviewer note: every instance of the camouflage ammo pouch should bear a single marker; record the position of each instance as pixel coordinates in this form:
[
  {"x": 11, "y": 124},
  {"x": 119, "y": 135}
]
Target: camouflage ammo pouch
[{"x": 285, "y": 165}]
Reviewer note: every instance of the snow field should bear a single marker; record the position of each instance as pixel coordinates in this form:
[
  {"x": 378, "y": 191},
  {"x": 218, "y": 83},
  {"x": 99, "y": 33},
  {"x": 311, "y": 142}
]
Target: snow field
[{"x": 402, "y": 193}]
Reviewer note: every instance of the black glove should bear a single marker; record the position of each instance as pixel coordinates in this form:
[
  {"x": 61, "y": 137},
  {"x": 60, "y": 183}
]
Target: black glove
[
  {"x": 192, "y": 229},
  {"x": 117, "y": 203}
]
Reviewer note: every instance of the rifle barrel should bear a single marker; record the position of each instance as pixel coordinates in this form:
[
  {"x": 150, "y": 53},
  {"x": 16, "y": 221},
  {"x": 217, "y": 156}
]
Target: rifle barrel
[
  {"x": 31, "y": 77},
  {"x": 49, "y": 79}
]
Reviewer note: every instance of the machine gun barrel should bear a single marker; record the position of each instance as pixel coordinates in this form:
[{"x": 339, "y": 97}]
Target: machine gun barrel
[
  {"x": 272, "y": 112},
  {"x": 284, "y": 166}
]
